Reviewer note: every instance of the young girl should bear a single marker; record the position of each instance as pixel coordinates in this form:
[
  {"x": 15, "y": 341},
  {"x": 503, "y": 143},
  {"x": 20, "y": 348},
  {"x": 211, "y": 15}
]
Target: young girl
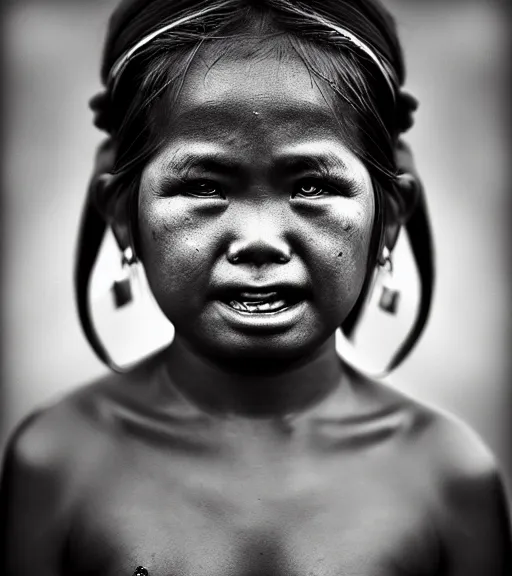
[{"x": 254, "y": 167}]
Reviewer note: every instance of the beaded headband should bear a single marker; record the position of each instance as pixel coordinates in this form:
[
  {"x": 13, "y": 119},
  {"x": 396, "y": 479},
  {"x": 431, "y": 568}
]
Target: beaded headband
[{"x": 125, "y": 58}]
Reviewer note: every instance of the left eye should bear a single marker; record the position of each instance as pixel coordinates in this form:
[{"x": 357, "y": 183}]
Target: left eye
[{"x": 311, "y": 189}]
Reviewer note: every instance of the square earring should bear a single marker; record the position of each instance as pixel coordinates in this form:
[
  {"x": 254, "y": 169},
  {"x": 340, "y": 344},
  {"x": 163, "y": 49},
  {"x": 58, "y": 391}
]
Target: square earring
[
  {"x": 390, "y": 296},
  {"x": 122, "y": 287}
]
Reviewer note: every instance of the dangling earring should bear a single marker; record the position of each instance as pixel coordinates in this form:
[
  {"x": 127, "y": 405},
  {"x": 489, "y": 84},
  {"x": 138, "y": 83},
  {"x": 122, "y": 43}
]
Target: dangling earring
[
  {"x": 390, "y": 295},
  {"x": 122, "y": 287}
]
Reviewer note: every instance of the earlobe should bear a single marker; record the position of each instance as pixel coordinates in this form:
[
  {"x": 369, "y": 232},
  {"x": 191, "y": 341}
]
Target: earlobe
[
  {"x": 408, "y": 192},
  {"x": 400, "y": 208},
  {"x": 114, "y": 207},
  {"x": 394, "y": 222},
  {"x": 408, "y": 183},
  {"x": 122, "y": 234},
  {"x": 120, "y": 222},
  {"x": 101, "y": 196},
  {"x": 391, "y": 235}
]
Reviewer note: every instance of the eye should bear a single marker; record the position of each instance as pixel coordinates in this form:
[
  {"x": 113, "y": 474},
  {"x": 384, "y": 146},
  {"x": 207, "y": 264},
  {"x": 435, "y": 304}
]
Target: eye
[
  {"x": 203, "y": 189},
  {"x": 312, "y": 188}
]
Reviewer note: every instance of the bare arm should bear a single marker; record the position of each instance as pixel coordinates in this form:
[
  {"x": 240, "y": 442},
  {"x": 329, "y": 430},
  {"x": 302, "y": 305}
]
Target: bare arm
[
  {"x": 478, "y": 537},
  {"x": 31, "y": 509}
]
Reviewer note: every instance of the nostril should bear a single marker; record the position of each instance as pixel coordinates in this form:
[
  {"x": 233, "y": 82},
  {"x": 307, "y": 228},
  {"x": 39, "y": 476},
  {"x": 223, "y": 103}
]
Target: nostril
[{"x": 259, "y": 253}]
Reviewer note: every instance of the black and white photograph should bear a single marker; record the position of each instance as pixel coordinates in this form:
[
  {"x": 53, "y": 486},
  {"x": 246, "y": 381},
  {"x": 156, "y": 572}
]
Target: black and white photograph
[{"x": 255, "y": 284}]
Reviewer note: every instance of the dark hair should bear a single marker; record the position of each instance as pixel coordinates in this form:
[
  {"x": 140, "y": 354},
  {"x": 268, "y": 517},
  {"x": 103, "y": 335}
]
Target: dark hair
[{"x": 378, "y": 110}]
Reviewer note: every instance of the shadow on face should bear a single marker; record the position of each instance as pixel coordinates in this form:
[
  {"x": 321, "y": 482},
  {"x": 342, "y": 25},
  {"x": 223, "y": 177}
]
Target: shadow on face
[{"x": 255, "y": 217}]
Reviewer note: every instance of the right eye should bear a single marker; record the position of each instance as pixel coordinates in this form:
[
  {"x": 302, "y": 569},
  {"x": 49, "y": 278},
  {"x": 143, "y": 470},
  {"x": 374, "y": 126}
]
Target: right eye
[{"x": 203, "y": 189}]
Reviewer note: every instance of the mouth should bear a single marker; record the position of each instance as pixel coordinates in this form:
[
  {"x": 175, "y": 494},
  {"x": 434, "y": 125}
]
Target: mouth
[{"x": 259, "y": 302}]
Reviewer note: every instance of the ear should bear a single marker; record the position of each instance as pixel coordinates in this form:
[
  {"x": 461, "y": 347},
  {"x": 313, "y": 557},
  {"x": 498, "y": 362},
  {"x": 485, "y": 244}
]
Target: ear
[
  {"x": 400, "y": 207},
  {"x": 109, "y": 196},
  {"x": 113, "y": 204},
  {"x": 407, "y": 193}
]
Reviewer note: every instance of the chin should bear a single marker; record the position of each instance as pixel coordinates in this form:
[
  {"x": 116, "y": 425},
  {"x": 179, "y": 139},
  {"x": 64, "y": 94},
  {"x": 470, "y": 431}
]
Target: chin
[
  {"x": 264, "y": 354},
  {"x": 259, "y": 342}
]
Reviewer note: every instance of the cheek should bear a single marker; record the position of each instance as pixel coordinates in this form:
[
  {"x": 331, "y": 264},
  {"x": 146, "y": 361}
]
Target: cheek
[
  {"x": 357, "y": 232},
  {"x": 342, "y": 248},
  {"x": 176, "y": 249}
]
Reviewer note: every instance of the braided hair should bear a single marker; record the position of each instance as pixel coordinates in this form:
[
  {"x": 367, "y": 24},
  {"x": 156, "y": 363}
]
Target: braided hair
[{"x": 140, "y": 64}]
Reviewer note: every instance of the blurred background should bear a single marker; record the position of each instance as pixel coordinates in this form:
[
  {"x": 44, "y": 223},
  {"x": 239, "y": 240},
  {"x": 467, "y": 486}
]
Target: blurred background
[{"x": 458, "y": 57}]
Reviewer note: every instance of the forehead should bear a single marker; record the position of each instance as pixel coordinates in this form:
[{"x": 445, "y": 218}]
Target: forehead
[{"x": 262, "y": 89}]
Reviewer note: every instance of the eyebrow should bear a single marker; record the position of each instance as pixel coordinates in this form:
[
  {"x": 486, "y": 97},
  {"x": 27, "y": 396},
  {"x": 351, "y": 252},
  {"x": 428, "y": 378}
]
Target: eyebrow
[
  {"x": 202, "y": 157},
  {"x": 321, "y": 158},
  {"x": 321, "y": 155},
  {"x": 324, "y": 164}
]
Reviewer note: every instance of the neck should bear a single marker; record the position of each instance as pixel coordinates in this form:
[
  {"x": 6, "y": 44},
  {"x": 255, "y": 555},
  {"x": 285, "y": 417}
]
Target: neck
[{"x": 259, "y": 391}]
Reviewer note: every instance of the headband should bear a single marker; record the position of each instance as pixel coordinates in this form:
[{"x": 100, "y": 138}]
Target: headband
[
  {"x": 93, "y": 225},
  {"x": 125, "y": 58},
  {"x": 121, "y": 63}
]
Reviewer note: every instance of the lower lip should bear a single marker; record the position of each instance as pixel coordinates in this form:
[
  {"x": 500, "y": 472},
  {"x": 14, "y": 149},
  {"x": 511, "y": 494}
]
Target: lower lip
[{"x": 263, "y": 321}]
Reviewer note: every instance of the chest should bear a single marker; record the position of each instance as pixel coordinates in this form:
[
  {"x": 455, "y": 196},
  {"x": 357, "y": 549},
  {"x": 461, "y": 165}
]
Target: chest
[{"x": 281, "y": 519}]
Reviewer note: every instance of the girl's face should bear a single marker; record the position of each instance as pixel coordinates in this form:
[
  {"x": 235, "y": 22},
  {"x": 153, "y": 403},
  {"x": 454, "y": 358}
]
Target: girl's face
[{"x": 255, "y": 218}]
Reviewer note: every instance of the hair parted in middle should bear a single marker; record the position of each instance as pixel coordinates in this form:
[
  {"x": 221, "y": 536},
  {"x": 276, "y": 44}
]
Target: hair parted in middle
[{"x": 366, "y": 95}]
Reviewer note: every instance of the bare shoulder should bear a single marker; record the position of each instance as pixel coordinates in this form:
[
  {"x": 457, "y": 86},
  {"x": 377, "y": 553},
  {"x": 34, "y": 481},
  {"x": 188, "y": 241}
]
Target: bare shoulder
[
  {"x": 464, "y": 488},
  {"x": 49, "y": 459},
  {"x": 446, "y": 446},
  {"x": 51, "y": 435},
  {"x": 439, "y": 438},
  {"x": 451, "y": 446},
  {"x": 472, "y": 510}
]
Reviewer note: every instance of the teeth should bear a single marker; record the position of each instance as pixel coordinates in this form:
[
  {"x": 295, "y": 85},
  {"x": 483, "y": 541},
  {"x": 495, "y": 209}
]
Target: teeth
[
  {"x": 270, "y": 306},
  {"x": 258, "y": 306}
]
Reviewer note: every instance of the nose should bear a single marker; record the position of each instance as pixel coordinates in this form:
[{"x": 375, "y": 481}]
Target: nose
[
  {"x": 259, "y": 245},
  {"x": 259, "y": 252}
]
